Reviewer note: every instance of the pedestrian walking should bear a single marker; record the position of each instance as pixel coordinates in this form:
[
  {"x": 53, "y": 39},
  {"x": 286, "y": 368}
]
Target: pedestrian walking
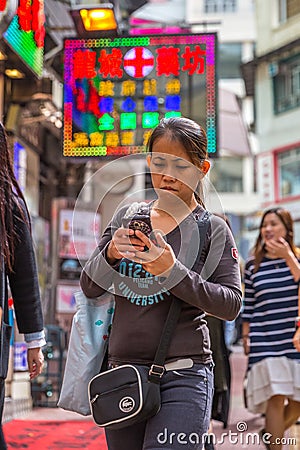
[
  {"x": 148, "y": 272},
  {"x": 19, "y": 266},
  {"x": 271, "y": 278}
]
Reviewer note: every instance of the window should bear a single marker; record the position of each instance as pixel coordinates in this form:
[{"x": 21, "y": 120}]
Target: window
[
  {"x": 230, "y": 59},
  {"x": 289, "y": 173},
  {"x": 286, "y": 85},
  {"x": 282, "y": 10},
  {"x": 215, "y": 6},
  {"x": 226, "y": 174},
  {"x": 287, "y": 9}
]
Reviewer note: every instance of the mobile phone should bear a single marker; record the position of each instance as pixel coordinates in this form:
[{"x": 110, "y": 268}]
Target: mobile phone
[
  {"x": 139, "y": 222},
  {"x": 141, "y": 225}
]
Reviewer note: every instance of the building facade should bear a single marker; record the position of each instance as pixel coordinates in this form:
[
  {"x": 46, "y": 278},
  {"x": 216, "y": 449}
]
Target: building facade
[
  {"x": 273, "y": 79},
  {"x": 232, "y": 175}
]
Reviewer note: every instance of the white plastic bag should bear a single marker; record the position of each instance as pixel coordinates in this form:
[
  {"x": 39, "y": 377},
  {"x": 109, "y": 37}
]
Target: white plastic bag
[{"x": 86, "y": 351}]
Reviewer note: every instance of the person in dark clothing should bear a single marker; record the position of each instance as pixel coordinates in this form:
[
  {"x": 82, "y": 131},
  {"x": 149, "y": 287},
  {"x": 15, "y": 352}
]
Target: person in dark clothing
[
  {"x": 222, "y": 374},
  {"x": 145, "y": 283},
  {"x": 19, "y": 266},
  {"x": 222, "y": 379}
]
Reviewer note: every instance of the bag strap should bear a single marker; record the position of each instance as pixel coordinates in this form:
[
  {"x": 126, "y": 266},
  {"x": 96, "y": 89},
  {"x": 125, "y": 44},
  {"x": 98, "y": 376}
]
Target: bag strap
[{"x": 157, "y": 369}]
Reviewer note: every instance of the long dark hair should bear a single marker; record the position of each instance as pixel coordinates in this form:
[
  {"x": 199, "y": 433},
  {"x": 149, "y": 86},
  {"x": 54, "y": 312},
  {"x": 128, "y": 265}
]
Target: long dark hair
[
  {"x": 9, "y": 193},
  {"x": 285, "y": 217},
  {"x": 192, "y": 137}
]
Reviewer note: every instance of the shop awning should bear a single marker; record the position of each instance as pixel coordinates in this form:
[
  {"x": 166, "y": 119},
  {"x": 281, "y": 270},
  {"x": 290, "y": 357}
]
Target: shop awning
[{"x": 168, "y": 11}]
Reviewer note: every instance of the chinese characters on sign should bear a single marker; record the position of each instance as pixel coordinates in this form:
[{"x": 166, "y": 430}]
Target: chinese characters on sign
[
  {"x": 26, "y": 33},
  {"x": 3, "y": 4},
  {"x": 116, "y": 91}
]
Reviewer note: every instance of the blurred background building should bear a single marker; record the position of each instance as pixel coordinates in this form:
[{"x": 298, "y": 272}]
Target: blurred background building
[{"x": 272, "y": 79}]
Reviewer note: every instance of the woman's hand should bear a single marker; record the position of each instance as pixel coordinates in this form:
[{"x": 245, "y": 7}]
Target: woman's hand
[
  {"x": 278, "y": 248},
  {"x": 159, "y": 259},
  {"x": 124, "y": 244},
  {"x": 245, "y": 337},
  {"x": 281, "y": 249},
  {"x": 296, "y": 340},
  {"x": 246, "y": 345},
  {"x": 35, "y": 360}
]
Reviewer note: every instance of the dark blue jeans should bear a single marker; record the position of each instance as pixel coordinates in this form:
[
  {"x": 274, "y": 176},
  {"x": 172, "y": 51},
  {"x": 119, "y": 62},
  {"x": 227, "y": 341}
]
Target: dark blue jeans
[{"x": 186, "y": 400}]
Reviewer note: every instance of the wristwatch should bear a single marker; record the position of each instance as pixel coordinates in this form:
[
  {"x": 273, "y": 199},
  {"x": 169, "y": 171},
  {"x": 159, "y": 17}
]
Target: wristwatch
[{"x": 297, "y": 322}]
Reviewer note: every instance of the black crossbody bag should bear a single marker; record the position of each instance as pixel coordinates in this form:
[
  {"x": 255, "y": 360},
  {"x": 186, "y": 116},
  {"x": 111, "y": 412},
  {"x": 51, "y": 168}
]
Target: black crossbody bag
[{"x": 128, "y": 394}]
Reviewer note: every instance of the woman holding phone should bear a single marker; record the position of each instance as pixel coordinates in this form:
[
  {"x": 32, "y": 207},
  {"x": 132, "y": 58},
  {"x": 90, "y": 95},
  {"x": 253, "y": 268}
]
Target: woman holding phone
[{"x": 149, "y": 270}]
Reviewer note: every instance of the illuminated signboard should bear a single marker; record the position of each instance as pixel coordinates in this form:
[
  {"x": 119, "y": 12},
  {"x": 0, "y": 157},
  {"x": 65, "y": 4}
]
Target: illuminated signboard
[
  {"x": 7, "y": 11},
  {"x": 20, "y": 164},
  {"x": 26, "y": 34},
  {"x": 117, "y": 90}
]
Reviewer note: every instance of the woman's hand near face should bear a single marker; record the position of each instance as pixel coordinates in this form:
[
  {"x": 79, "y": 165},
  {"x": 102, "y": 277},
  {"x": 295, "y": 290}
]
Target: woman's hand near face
[
  {"x": 279, "y": 248},
  {"x": 124, "y": 244},
  {"x": 159, "y": 259}
]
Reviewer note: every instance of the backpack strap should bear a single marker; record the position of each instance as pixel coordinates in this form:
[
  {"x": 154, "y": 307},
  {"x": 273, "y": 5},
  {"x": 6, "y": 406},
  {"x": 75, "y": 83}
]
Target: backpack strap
[{"x": 198, "y": 236}]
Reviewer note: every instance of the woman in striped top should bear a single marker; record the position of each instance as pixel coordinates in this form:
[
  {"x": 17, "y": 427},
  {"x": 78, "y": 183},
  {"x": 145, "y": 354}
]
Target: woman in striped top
[{"x": 272, "y": 276}]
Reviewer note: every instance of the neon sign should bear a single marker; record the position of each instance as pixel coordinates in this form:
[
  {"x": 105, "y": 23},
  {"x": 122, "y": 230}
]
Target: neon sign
[
  {"x": 26, "y": 33},
  {"x": 20, "y": 164},
  {"x": 117, "y": 90},
  {"x": 3, "y": 5}
]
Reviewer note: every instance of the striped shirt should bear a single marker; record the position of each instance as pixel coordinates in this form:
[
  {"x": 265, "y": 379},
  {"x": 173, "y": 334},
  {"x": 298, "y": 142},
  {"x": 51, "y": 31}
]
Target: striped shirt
[{"x": 271, "y": 305}]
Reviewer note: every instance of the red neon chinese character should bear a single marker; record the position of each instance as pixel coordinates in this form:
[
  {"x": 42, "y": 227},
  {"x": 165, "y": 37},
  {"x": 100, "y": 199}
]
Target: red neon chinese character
[
  {"x": 193, "y": 59},
  {"x": 110, "y": 64},
  {"x": 167, "y": 61},
  {"x": 24, "y": 13},
  {"x": 2, "y": 5},
  {"x": 93, "y": 100},
  {"x": 38, "y": 20},
  {"x": 84, "y": 64},
  {"x": 80, "y": 100}
]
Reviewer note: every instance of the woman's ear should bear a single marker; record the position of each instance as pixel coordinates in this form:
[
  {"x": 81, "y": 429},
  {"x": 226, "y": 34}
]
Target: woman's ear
[
  {"x": 205, "y": 166},
  {"x": 148, "y": 159}
]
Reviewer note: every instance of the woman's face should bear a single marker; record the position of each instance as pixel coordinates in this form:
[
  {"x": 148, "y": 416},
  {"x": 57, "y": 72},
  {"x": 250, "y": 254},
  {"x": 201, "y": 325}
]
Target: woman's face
[
  {"x": 272, "y": 228},
  {"x": 172, "y": 171}
]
